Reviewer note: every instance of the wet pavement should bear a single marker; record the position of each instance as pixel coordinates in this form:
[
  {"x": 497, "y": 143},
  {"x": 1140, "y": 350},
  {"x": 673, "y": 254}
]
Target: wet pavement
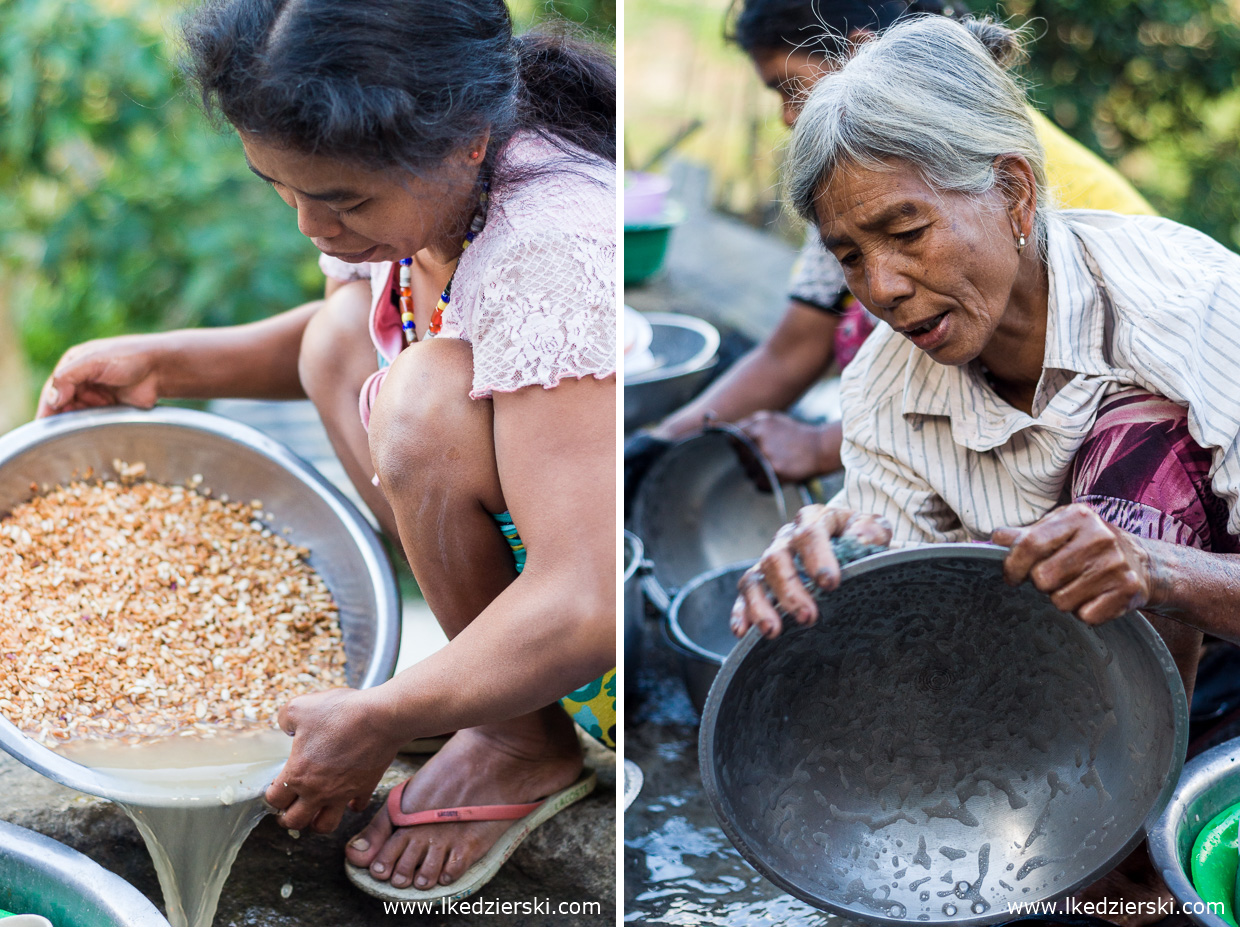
[{"x": 679, "y": 868}]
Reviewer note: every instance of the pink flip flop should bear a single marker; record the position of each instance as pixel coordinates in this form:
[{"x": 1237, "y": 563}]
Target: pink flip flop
[{"x": 526, "y": 818}]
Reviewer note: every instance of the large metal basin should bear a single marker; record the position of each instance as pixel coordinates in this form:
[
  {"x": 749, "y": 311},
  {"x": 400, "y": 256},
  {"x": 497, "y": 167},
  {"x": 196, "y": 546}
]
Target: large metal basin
[
  {"x": 233, "y": 459},
  {"x": 634, "y": 604},
  {"x": 686, "y": 349},
  {"x": 698, "y": 510},
  {"x": 699, "y": 626},
  {"x": 38, "y": 875},
  {"x": 1209, "y": 785},
  {"x": 940, "y": 744}
]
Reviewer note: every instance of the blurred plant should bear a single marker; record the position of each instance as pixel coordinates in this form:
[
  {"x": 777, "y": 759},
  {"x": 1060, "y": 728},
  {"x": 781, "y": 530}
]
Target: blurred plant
[
  {"x": 1152, "y": 87},
  {"x": 122, "y": 208}
]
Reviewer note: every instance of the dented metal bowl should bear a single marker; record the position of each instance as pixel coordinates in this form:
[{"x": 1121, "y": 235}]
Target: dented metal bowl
[{"x": 940, "y": 744}]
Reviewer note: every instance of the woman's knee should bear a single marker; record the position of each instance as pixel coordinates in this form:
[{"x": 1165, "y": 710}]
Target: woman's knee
[
  {"x": 425, "y": 427},
  {"x": 336, "y": 348}
]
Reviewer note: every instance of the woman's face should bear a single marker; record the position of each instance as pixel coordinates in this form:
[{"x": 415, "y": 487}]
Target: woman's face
[
  {"x": 357, "y": 214},
  {"x": 791, "y": 73},
  {"x": 938, "y": 267}
]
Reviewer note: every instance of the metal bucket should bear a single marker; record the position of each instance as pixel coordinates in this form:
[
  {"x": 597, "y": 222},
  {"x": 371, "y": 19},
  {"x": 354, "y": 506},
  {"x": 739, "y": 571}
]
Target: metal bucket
[
  {"x": 940, "y": 744},
  {"x": 236, "y": 460},
  {"x": 1209, "y": 785},
  {"x": 698, "y": 510},
  {"x": 698, "y": 627},
  {"x": 686, "y": 349},
  {"x": 38, "y": 875}
]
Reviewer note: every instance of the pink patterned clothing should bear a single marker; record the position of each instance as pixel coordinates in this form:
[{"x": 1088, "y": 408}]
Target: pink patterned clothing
[{"x": 535, "y": 293}]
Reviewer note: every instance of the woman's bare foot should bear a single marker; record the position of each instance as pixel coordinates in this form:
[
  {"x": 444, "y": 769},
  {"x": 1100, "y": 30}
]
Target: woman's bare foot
[
  {"x": 518, "y": 761},
  {"x": 1133, "y": 881}
]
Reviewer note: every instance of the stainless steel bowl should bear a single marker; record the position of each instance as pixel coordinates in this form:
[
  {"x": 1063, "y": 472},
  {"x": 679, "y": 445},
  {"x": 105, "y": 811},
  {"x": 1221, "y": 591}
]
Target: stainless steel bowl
[
  {"x": 39, "y": 875},
  {"x": 685, "y": 349},
  {"x": 1209, "y": 785},
  {"x": 697, "y": 510},
  {"x": 234, "y": 460},
  {"x": 698, "y": 625},
  {"x": 940, "y": 744}
]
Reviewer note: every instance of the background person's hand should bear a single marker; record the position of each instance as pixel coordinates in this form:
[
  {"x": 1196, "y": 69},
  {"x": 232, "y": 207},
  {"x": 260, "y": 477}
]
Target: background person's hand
[
  {"x": 795, "y": 449},
  {"x": 339, "y": 755},
  {"x": 808, "y": 537},
  {"x": 1087, "y": 566},
  {"x": 107, "y": 372}
]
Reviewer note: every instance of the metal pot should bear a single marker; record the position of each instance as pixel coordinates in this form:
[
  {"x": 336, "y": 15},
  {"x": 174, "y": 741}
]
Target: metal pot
[
  {"x": 940, "y": 744},
  {"x": 698, "y": 627},
  {"x": 236, "y": 460},
  {"x": 698, "y": 510},
  {"x": 1209, "y": 785},
  {"x": 39, "y": 875},
  {"x": 686, "y": 349}
]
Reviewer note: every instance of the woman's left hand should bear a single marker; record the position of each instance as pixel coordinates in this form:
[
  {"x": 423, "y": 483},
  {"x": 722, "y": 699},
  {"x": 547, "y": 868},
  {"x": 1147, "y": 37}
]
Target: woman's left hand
[
  {"x": 339, "y": 755},
  {"x": 1088, "y": 567}
]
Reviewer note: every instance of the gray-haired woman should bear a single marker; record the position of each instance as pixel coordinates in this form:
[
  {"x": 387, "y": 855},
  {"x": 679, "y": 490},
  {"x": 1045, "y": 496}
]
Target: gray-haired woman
[{"x": 1061, "y": 383}]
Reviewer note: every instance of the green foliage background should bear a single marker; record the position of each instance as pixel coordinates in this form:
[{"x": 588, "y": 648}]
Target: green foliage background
[
  {"x": 121, "y": 208},
  {"x": 1151, "y": 85}
]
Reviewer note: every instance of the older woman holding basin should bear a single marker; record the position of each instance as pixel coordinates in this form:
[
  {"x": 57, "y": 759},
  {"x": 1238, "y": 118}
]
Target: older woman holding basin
[{"x": 1063, "y": 383}]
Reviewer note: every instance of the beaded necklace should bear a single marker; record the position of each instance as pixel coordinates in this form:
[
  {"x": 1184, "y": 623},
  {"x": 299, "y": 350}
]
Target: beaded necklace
[{"x": 406, "y": 277}]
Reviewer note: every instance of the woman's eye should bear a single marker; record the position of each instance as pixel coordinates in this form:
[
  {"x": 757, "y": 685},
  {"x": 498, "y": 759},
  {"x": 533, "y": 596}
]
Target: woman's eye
[
  {"x": 850, "y": 258},
  {"x": 352, "y": 209},
  {"x": 911, "y": 234}
]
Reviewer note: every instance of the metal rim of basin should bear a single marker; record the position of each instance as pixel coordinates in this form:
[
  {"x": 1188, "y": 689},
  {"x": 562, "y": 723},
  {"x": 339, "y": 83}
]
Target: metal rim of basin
[
  {"x": 387, "y": 640},
  {"x": 113, "y": 901},
  {"x": 679, "y": 638},
  {"x": 704, "y": 355},
  {"x": 714, "y": 791},
  {"x": 1199, "y": 774}
]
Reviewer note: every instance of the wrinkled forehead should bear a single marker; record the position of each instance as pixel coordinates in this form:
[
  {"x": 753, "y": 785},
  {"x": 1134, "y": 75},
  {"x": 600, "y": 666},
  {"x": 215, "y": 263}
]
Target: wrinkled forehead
[{"x": 861, "y": 193}]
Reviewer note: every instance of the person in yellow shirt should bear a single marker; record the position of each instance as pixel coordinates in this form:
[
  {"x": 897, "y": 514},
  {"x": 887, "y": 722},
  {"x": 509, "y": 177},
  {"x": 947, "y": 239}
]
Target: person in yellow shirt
[{"x": 790, "y": 43}]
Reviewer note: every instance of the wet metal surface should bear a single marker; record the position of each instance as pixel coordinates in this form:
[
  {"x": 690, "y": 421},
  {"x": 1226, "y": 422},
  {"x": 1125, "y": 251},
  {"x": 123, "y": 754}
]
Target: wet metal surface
[{"x": 679, "y": 867}]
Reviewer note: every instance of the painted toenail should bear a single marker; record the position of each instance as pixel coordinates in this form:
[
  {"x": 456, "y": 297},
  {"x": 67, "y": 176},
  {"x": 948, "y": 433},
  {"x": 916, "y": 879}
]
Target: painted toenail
[
  {"x": 379, "y": 868},
  {"x": 360, "y": 843},
  {"x": 423, "y": 881}
]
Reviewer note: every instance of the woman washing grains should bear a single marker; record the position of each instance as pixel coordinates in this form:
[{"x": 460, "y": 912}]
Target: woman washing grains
[{"x": 460, "y": 184}]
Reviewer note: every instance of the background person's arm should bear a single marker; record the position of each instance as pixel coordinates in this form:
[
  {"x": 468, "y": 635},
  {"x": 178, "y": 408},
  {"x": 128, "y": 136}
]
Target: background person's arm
[{"x": 771, "y": 376}]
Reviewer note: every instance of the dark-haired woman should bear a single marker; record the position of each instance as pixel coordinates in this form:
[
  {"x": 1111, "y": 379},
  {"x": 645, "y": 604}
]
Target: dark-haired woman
[
  {"x": 791, "y": 44},
  {"x": 460, "y": 184}
]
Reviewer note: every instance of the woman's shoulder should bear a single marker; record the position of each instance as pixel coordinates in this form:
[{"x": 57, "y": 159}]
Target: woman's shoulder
[{"x": 550, "y": 185}]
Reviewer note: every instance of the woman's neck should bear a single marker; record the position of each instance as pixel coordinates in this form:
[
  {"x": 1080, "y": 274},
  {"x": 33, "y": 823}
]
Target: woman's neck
[{"x": 1015, "y": 353}]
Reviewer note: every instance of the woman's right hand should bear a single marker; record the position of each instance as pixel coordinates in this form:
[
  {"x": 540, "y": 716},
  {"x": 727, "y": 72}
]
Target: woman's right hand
[
  {"x": 106, "y": 372},
  {"x": 776, "y": 576}
]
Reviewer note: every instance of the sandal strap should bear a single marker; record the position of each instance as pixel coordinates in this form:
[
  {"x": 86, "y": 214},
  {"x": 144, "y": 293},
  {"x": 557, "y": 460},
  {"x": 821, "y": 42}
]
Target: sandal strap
[{"x": 448, "y": 815}]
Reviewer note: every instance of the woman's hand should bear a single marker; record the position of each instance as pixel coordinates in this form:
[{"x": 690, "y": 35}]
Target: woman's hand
[
  {"x": 1088, "y": 567},
  {"x": 107, "y": 372},
  {"x": 339, "y": 755},
  {"x": 797, "y": 451},
  {"x": 808, "y": 537}
]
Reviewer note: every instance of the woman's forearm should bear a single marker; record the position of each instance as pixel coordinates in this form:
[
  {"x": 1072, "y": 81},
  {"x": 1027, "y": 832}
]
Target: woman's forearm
[
  {"x": 1195, "y": 587},
  {"x": 253, "y": 361},
  {"x": 541, "y": 639},
  {"x": 771, "y": 376}
]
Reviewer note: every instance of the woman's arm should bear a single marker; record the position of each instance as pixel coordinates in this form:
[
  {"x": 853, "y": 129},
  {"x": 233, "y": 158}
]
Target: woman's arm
[
  {"x": 552, "y": 630},
  {"x": 771, "y": 376}
]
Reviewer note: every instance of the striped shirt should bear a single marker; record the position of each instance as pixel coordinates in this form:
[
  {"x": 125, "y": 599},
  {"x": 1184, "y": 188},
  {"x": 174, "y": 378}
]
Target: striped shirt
[{"x": 1133, "y": 301}]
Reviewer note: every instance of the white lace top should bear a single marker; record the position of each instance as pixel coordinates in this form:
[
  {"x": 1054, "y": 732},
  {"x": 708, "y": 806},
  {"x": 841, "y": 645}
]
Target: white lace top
[{"x": 535, "y": 294}]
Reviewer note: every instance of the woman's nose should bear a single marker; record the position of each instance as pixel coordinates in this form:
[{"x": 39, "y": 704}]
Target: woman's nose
[
  {"x": 315, "y": 220},
  {"x": 887, "y": 283}
]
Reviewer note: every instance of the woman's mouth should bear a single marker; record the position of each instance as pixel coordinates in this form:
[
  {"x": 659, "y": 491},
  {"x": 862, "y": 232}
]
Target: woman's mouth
[
  {"x": 355, "y": 258},
  {"x": 930, "y": 334}
]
